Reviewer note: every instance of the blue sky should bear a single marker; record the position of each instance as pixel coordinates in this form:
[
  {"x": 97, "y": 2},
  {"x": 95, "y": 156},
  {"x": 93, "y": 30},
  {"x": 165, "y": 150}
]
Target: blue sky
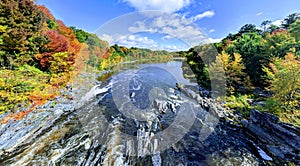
[{"x": 197, "y": 21}]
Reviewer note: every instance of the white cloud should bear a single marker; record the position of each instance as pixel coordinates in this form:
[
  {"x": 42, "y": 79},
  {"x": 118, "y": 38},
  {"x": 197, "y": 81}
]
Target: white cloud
[
  {"x": 277, "y": 22},
  {"x": 166, "y": 37},
  {"x": 131, "y": 40},
  {"x": 181, "y": 32},
  {"x": 211, "y": 40},
  {"x": 171, "y": 26},
  {"x": 140, "y": 26},
  {"x": 173, "y": 48},
  {"x": 107, "y": 38},
  {"x": 211, "y": 31},
  {"x": 168, "y": 31},
  {"x": 170, "y": 47},
  {"x": 209, "y": 13},
  {"x": 163, "y": 5},
  {"x": 145, "y": 42},
  {"x": 258, "y": 14}
]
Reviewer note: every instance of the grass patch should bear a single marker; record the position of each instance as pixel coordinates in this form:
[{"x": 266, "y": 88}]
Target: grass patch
[{"x": 239, "y": 103}]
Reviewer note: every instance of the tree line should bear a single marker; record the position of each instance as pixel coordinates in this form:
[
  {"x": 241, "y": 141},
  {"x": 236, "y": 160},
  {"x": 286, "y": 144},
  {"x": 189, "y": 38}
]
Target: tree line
[{"x": 265, "y": 57}]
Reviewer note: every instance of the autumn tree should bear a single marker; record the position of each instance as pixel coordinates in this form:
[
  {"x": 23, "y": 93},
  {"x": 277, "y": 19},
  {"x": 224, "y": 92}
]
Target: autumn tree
[
  {"x": 20, "y": 24},
  {"x": 61, "y": 62},
  {"x": 73, "y": 43},
  {"x": 82, "y": 58},
  {"x": 56, "y": 43},
  {"x": 233, "y": 67},
  {"x": 46, "y": 12},
  {"x": 284, "y": 77}
]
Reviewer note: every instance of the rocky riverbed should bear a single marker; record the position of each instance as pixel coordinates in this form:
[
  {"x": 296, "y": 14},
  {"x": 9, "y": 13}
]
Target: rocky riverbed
[{"x": 84, "y": 126}]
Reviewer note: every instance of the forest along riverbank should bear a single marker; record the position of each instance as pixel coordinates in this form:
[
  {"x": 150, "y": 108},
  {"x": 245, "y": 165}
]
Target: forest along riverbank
[{"x": 86, "y": 127}]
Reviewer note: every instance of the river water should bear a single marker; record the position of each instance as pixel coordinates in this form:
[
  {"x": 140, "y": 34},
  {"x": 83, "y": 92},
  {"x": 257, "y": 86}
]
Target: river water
[{"x": 134, "y": 115}]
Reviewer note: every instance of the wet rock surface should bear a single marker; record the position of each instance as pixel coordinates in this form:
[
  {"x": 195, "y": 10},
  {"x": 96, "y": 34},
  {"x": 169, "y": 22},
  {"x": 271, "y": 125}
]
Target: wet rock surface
[{"x": 279, "y": 140}]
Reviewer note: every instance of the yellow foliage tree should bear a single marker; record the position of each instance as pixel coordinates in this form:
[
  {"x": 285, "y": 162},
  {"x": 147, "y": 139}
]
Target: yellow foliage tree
[
  {"x": 233, "y": 68},
  {"x": 284, "y": 76}
]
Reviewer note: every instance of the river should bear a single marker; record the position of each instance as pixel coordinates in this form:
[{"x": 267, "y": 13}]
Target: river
[{"x": 132, "y": 115}]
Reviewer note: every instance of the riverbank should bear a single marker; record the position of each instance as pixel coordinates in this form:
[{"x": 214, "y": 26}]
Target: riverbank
[{"x": 56, "y": 127}]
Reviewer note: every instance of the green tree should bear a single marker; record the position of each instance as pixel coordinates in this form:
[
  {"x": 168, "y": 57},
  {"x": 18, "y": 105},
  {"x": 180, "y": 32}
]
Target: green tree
[
  {"x": 265, "y": 24},
  {"x": 279, "y": 44},
  {"x": 52, "y": 24},
  {"x": 248, "y": 28},
  {"x": 250, "y": 46},
  {"x": 272, "y": 28},
  {"x": 81, "y": 35},
  {"x": 290, "y": 19},
  {"x": 294, "y": 29},
  {"x": 199, "y": 58}
]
